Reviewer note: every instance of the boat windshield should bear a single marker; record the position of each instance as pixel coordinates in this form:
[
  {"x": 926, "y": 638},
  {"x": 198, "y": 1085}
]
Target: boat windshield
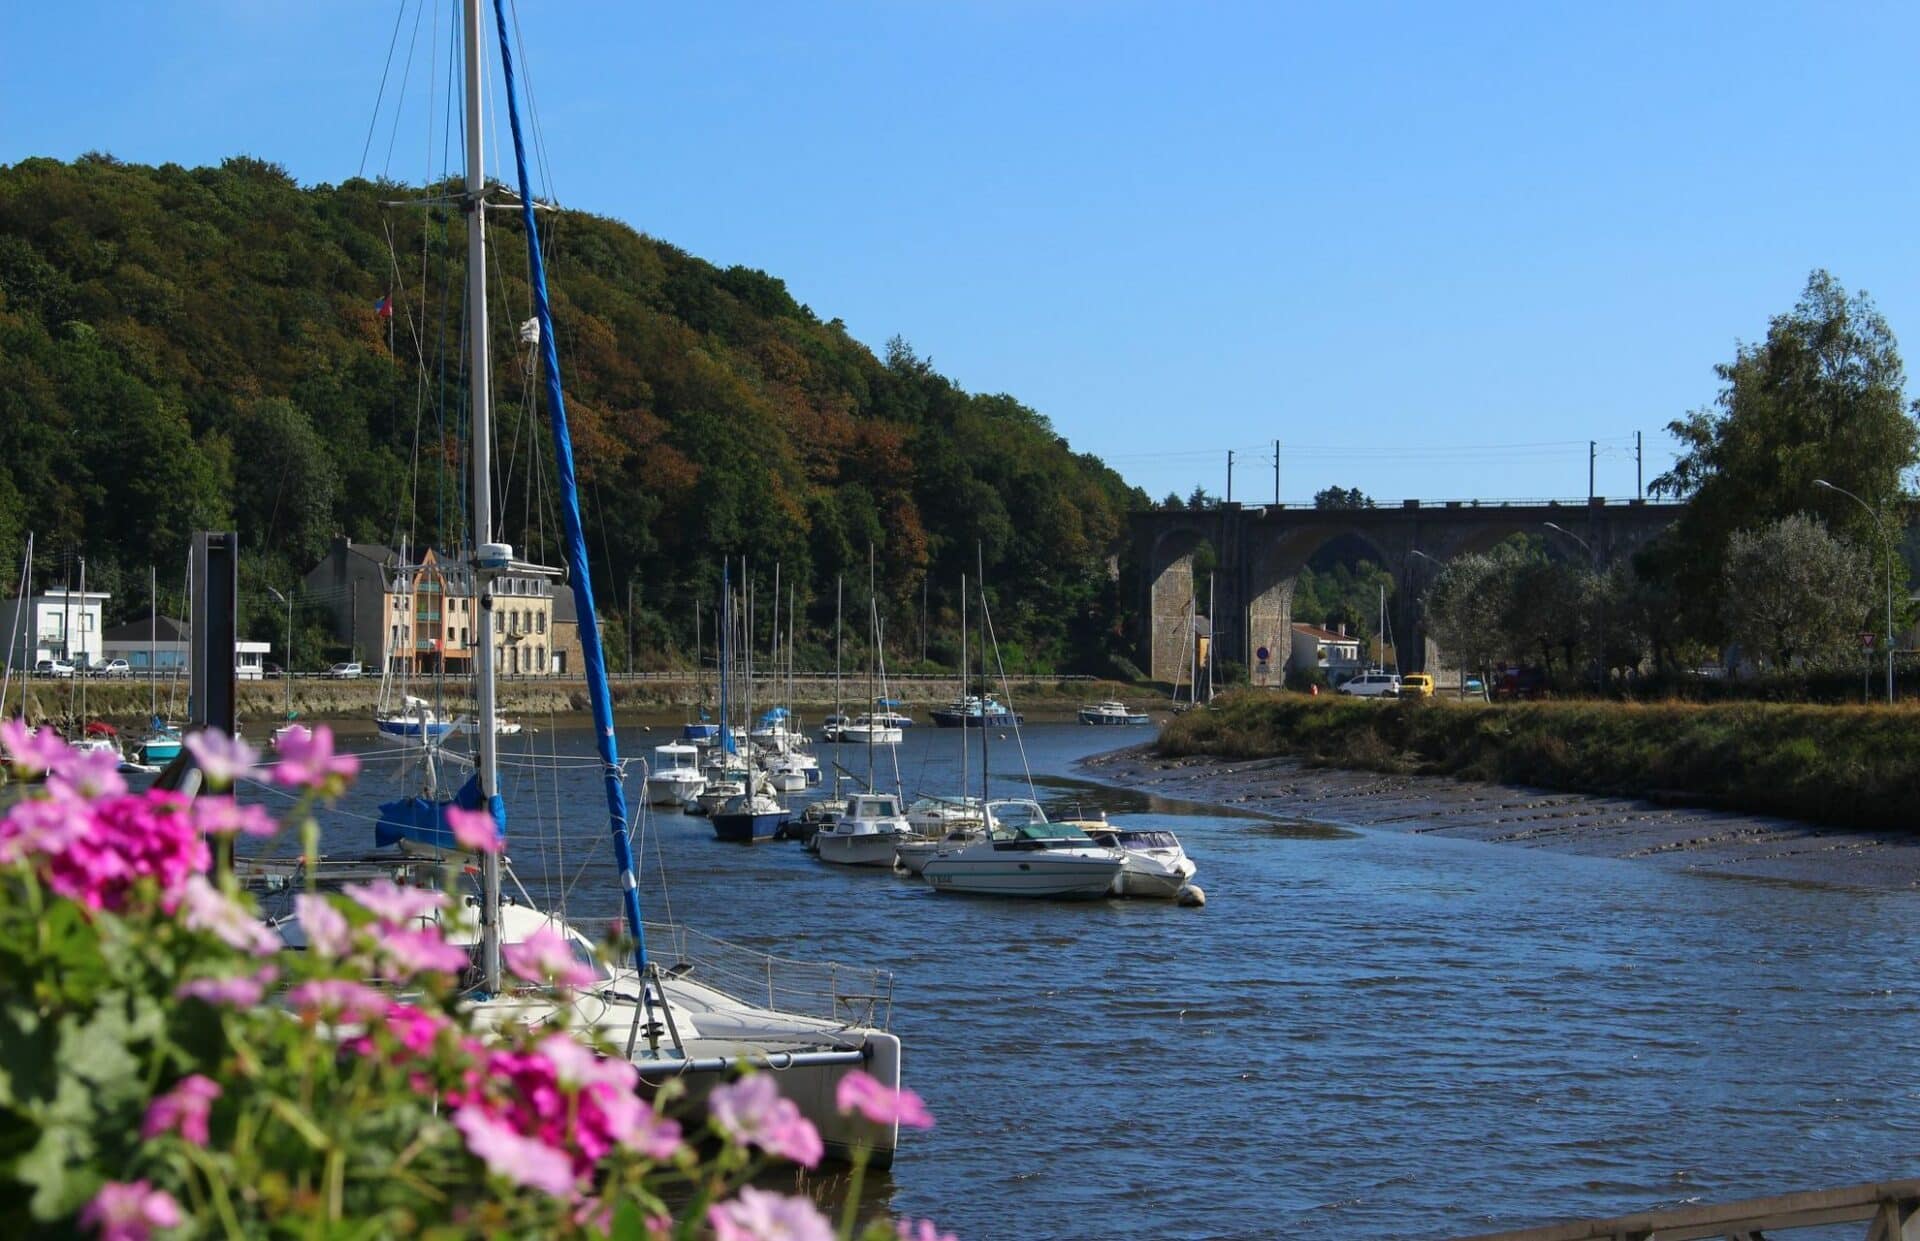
[
  {"x": 1011, "y": 816},
  {"x": 1052, "y": 832},
  {"x": 1139, "y": 839}
]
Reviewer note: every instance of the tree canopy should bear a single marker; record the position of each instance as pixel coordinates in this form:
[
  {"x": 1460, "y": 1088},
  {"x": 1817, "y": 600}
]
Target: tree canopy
[{"x": 196, "y": 347}]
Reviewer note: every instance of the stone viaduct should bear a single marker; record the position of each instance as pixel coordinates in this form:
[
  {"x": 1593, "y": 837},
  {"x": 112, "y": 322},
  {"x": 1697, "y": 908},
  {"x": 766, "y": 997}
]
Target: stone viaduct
[{"x": 1261, "y": 550}]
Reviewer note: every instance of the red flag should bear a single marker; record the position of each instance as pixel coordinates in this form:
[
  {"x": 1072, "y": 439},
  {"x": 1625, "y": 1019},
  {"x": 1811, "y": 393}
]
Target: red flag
[{"x": 384, "y": 307}]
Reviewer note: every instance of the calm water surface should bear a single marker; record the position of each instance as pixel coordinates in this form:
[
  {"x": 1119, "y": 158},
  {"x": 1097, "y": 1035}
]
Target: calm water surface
[{"x": 1363, "y": 1034}]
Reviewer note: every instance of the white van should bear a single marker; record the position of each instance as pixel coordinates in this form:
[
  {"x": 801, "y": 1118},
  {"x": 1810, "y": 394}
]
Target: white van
[{"x": 1373, "y": 685}]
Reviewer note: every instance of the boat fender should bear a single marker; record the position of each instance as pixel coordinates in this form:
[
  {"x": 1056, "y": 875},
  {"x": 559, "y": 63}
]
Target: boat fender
[{"x": 1191, "y": 896}]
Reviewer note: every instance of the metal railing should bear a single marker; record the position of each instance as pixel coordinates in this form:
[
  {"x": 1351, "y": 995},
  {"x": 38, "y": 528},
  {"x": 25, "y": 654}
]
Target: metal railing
[{"x": 851, "y": 995}]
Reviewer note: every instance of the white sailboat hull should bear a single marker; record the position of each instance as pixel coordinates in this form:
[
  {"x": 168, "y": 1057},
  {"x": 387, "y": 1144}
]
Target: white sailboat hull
[{"x": 856, "y": 849}]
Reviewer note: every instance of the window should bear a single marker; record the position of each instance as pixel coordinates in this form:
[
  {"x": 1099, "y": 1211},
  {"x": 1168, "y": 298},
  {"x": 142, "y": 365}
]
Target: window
[{"x": 540, "y": 622}]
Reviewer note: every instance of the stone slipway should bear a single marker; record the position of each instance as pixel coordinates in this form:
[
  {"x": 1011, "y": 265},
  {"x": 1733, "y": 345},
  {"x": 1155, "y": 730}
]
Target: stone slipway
[{"x": 1692, "y": 838}]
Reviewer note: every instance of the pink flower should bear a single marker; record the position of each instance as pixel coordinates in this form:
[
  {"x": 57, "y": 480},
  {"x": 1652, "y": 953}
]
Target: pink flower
[
  {"x": 130, "y": 1211},
  {"x": 41, "y": 827},
  {"x": 325, "y": 928},
  {"x": 223, "y": 816},
  {"x": 752, "y": 1111},
  {"x": 241, "y": 992},
  {"x": 393, "y": 904},
  {"x": 414, "y": 1028},
  {"x": 223, "y": 760},
  {"x": 861, "y": 1092},
  {"x": 184, "y": 1108},
  {"x": 32, "y": 752},
  {"x": 340, "y": 997},
  {"x": 307, "y": 761},
  {"x": 422, "y": 951},
  {"x": 762, "y": 1215},
  {"x": 546, "y": 956},
  {"x": 87, "y": 775},
  {"x": 924, "y": 1230},
  {"x": 208, "y": 909},
  {"x": 522, "y": 1160},
  {"x": 474, "y": 829}
]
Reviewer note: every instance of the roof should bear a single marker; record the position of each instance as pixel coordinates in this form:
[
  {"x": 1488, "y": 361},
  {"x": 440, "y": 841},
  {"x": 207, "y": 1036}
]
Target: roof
[
  {"x": 1324, "y": 635},
  {"x": 165, "y": 629}
]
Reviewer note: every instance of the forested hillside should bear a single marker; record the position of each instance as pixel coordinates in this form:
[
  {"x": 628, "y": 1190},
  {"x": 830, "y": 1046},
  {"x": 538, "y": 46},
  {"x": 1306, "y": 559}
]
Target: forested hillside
[{"x": 187, "y": 348}]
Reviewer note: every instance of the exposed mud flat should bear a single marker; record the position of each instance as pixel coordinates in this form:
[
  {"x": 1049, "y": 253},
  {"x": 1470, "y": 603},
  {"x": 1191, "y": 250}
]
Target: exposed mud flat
[{"x": 1691, "y": 838}]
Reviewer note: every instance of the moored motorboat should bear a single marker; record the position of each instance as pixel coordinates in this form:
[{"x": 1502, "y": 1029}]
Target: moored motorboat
[
  {"x": 1156, "y": 865},
  {"x": 869, "y": 730},
  {"x": 1023, "y": 854},
  {"x": 675, "y": 779},
  {"x": 976, "y": 711},
  {"x": 1111, "y": 712},
  {"x": 866, "y": 835}
]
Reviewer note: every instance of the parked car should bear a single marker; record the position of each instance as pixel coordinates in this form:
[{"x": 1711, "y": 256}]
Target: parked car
[
  {"x": 53, "y": 668},
  {"x": 1524, "y": 682},
  {"x": 1474, "y": 687},
  {"x": 114, "y": 668},
  {"x": 1416, "y": 685},
  {"x": 345, "y": 672},
  {"x": 1372, "y": 685}
]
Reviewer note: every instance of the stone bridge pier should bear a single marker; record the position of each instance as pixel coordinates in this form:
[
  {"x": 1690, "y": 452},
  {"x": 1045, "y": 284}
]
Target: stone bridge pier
[{"x": 1257, "y": 553}]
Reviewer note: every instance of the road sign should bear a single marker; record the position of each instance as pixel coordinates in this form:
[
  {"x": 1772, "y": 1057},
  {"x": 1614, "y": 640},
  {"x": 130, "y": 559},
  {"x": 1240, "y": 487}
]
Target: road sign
[
  {"x": 1866, "y": 641},
  {"x": 1261, "y": 654}
]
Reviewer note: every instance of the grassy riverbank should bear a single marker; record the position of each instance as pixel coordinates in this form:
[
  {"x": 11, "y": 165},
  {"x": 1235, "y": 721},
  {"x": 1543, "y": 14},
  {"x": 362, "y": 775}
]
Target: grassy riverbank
[{"x": 1852, "y": 766}]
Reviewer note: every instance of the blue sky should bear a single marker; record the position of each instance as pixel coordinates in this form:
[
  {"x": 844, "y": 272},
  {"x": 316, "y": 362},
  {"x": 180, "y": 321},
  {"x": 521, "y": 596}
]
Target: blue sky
[{"x": 1432, "y": 251}]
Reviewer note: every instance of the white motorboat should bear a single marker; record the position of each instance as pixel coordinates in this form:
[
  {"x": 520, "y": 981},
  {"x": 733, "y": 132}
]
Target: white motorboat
[
  {"x": 936, "y": 816},
  {"x": 1024, "y": 855},
  {"x": 1111, "y": 713},
  {"x": 1156, "y": 865},
  {"x": 866, "y": 834},
  {"x": 717, "y": 794},
  {"x": 675, "y": 779},
  {"x": 869, "y": 730},
  {"x": 913, "y": 854},
  {"x": 831, "y": 726},
  {"x": 502, "y": 726}
]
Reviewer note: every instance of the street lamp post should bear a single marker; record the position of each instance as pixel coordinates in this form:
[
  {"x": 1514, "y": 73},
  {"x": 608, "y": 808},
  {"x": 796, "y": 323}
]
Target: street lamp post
[
  {"x": 1599, "y": 604},
  {"x": 1879, "y": 527},
  {"x": 286, "y": 673}
]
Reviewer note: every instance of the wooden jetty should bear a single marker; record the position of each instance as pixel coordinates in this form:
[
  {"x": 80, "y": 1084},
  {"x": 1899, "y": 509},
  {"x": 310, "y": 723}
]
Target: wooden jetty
[{"x": 1890, "y": 1209}]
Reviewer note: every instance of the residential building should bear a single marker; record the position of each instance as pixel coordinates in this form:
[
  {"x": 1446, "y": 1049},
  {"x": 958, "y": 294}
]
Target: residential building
[
  {"x": 416, "y": 615},
  {"x": 1331, "y": 651},
  {"x": 159, "y": 645},
  {"x": 56, "y": 624}
]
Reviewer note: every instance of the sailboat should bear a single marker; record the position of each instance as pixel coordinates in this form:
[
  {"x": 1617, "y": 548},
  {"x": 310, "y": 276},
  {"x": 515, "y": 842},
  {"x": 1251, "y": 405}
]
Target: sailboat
[
  {"x": 162, "y": 743},
  {"x": 673, "y": 1024}
]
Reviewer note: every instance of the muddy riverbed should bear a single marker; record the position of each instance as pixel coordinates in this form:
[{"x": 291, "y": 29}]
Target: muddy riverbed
[{"x": 1689, "y": 838}]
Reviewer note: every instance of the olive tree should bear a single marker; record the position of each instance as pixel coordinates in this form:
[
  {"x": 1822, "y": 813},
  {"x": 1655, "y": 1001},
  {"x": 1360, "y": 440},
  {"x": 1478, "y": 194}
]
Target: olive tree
[{"x": 1793, "y": 592}]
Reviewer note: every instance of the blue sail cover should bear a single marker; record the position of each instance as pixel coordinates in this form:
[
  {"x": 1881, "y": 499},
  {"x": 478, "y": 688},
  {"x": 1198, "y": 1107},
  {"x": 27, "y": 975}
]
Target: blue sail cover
[
  {"x": 424, "y": 821},
  {"x": 599, "y": 694}
]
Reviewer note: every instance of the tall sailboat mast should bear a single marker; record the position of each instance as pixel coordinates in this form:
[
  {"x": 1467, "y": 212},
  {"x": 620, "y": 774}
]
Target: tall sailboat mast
[{"x": 479, "y": 392}]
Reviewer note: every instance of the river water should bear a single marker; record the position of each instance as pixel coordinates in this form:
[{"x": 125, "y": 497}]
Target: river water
[{"x": 1363, "y": 1034}]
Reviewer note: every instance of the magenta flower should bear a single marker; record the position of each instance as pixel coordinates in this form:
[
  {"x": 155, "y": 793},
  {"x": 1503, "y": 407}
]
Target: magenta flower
[
  {"x": 861, "y": 1092},
  {"x": 338, "y": 997},
  {"x": 242, "y": 992},
  {"x": 547, "y": 956},
  {"x": 87, "y": 775},
  {"x": 751, "y": 1111},
  {"x": 521, "y": 1159},
  {"x": 327, "y": 932},
  {"x": 208, "y": 909},
  {"x": 474, "y": 829},
  {"x": 130, "y": 1211},
  {"x": 223, "y": 760},
  {"x": 420, "y": 951},
  {"x": 923, "y": 1230},
  {"x": 32, "y": 752},
  {"x": 223, "y": 816},
  {"x": 762, "y": 1215},
  {"x": 126, "y": 839},
  {"x": 184, "y": 1109},
  {"x": 307, "y": 761},
  {"x": 394, "y": 904}
]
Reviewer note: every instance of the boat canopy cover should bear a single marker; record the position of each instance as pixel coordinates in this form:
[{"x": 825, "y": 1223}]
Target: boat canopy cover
[
  {"x": 424, "y": 821},
  {"x": 773, "y": 715}
]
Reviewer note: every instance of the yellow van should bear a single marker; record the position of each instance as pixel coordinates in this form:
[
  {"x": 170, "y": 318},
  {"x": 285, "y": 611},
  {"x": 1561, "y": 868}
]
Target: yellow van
[{"x": 1416, "y": 685}]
